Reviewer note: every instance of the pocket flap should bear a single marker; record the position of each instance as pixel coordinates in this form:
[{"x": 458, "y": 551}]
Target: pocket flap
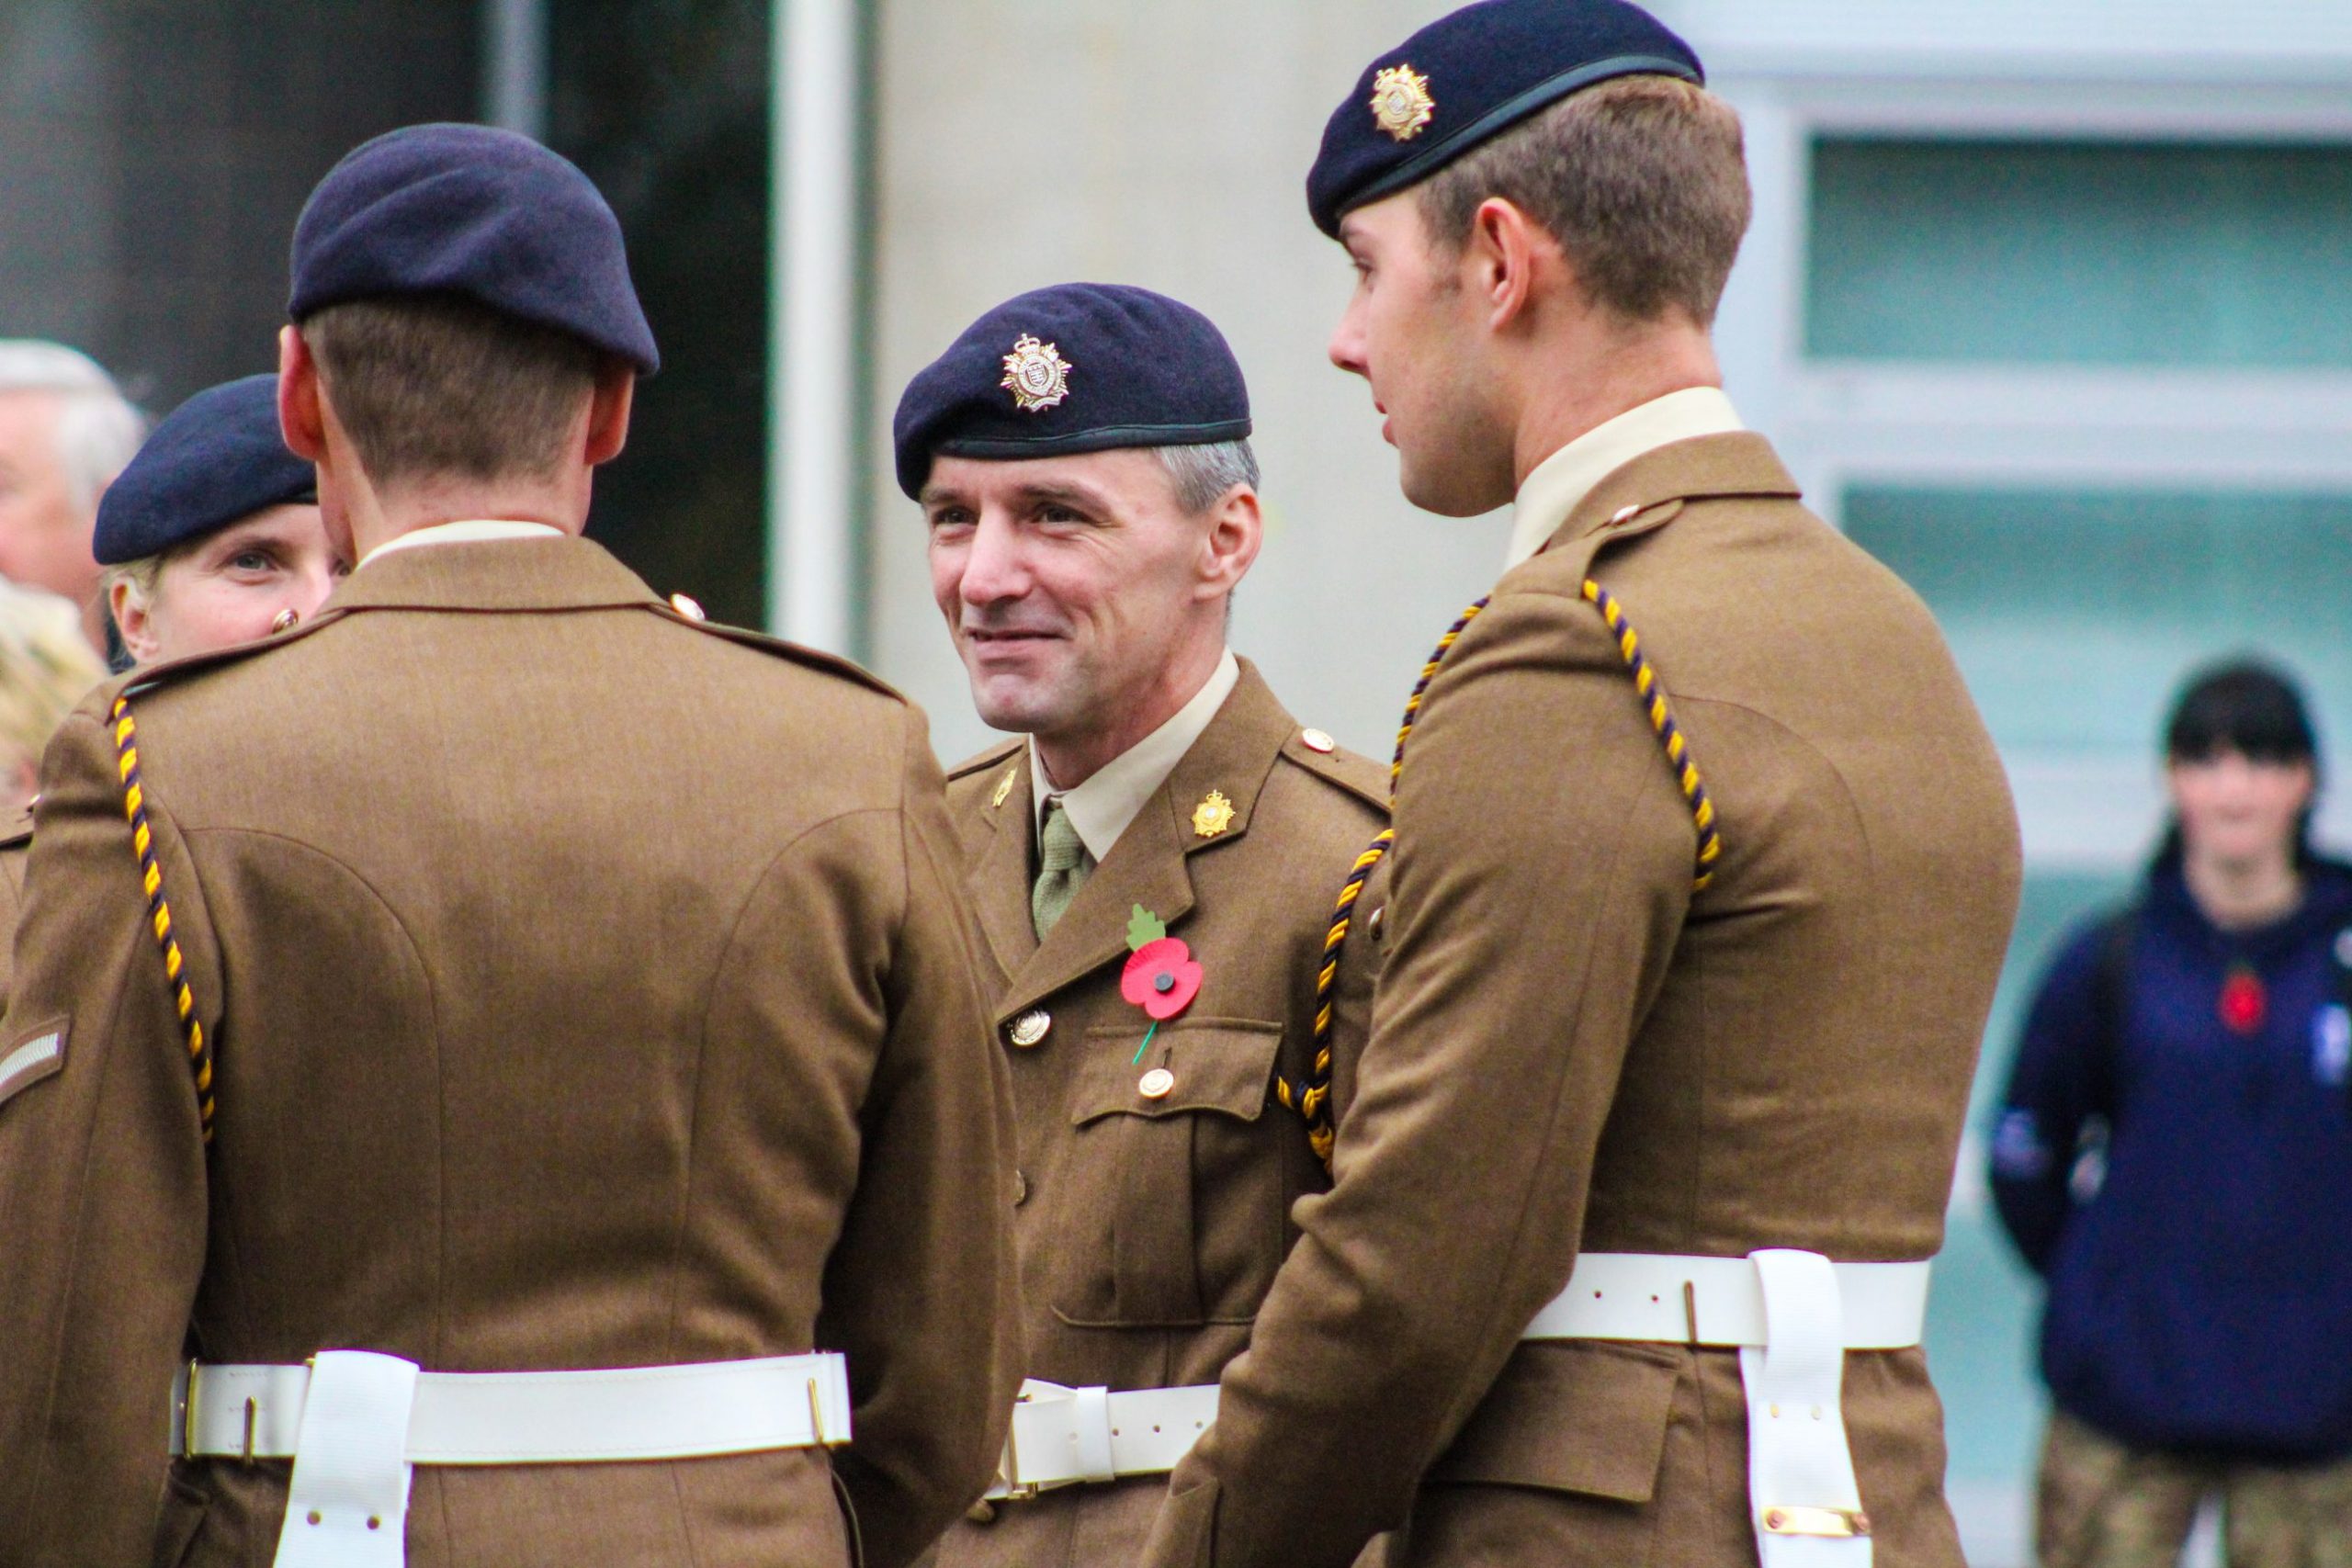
[
  {"x": 1586, "y": 1415},
  {"x": 1226, "y": 1064}
]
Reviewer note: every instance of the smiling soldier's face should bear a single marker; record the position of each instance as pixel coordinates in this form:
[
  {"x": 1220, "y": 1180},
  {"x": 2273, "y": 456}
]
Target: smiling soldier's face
[{"x": 1069, "y": 583}]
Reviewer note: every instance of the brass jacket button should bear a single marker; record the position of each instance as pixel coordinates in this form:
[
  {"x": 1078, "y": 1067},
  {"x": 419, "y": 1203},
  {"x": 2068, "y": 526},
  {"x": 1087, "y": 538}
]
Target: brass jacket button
[
  {"x": 1155, "y": 1084},
  {"x": 1030, "y": 1027}
]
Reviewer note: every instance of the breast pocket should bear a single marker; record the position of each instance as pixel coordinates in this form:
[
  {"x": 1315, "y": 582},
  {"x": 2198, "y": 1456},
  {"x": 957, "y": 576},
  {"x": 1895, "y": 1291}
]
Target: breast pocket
[{"x": 1171, "y": 1203}]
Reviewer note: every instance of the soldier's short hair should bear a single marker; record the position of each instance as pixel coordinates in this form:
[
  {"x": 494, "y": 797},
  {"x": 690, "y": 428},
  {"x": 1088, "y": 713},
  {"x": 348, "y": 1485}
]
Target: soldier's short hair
[
  {"x": 438, "y": 384},
  {"x": 98, "y": 430},
  {"x": 1643, "y": 180},
  {"x": 1203, "y": 474}
]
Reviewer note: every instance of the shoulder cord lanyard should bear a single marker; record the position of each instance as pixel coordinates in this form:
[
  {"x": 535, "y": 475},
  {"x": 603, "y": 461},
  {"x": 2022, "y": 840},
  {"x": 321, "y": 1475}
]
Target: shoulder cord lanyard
[
  {"x": 1311, "y": 1097},
  {"x": 159, "y": 912}
]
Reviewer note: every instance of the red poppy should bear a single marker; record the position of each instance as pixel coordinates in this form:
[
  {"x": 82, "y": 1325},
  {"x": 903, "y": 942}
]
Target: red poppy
[
  {"x": 2244, "y": 1004},
  {"x": 1160, "y": 977}
]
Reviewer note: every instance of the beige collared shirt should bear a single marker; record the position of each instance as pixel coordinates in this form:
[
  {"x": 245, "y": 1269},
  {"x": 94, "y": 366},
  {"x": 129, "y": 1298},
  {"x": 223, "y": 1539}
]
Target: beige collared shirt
[
  {"x": 462, "y": 534},
  {"x": 1101, "y": 808},
  {"x": 1561, "y": 481}
]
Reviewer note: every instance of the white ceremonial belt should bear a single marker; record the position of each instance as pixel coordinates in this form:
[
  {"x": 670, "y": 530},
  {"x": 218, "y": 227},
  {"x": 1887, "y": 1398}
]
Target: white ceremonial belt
[
  {"x": 1720, "y": 1302},
  {"x": 1060, "y": 1436},
  {"x": 356, "y": 1423},
  {"x": 1793, "y": 1315}
]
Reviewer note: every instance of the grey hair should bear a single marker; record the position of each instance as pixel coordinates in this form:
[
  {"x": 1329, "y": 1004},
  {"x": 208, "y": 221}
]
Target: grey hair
[
  {"x": 1203, "y": 474},
  {"x": 98, "y": 430}
]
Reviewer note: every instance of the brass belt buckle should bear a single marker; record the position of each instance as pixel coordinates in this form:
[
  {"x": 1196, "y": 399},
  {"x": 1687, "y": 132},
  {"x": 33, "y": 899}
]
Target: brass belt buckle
[
  {"x": 188, "y": 1413},
  {"x": 1835, "y": 1524},
  {"x": 1015, "y": 1490}
]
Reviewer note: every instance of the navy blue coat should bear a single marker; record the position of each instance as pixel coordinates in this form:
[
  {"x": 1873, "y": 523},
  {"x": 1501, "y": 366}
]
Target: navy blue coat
[{"x": 2200, "y": 1291}]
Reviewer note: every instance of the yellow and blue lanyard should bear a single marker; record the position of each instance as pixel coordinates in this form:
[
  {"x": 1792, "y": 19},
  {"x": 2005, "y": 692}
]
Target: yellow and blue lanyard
[
  {"x": 1311, "y": 1096},
  {"x": 159, "y": 910}
]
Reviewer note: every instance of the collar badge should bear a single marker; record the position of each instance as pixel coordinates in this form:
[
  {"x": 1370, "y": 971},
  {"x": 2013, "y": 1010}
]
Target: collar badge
[
  {"x": 1035, "y": 374},
  {"x": 1213, "y": 815},
  {"x": 1401, "y": 104}
]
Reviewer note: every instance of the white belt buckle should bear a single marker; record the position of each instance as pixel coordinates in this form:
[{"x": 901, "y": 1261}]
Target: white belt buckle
[{"x": 1806, "y": 1504}]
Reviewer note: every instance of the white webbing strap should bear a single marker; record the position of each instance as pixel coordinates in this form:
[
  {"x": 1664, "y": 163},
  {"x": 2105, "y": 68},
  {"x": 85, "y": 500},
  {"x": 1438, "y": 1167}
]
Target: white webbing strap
[
  {"x": 346, "y": 1505},
  {"x": 1060, "y": 1437},
  {"x": 1800, "y": 1488}
]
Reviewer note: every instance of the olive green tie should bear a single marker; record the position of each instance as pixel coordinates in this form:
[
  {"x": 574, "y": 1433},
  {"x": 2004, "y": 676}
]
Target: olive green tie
[{"x": 1062, "y": 865}]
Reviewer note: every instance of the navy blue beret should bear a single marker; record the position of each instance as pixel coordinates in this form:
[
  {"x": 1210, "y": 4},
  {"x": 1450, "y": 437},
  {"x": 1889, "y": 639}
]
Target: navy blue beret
[
  {"x": 216, "y": 459},
  {"x": 1467, "y": 76},
  {"x": 469, "y": 210},
  {"x": 1077, "y": 368}
]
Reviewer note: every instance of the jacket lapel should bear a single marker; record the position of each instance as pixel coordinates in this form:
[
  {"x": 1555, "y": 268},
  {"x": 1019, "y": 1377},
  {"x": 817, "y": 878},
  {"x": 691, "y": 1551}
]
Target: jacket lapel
[
  {"x": 998, "y": 876},
  {"x": 1148, "y": 865}
]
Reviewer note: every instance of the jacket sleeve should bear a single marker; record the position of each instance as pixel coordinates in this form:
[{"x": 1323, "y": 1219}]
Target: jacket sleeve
[
  {"x": 922, "y": 1292},
  {"x": 1542, "y": 873},
  {"x": 2059, "y": 1081},
  {"x": 102, "y": 1174}
]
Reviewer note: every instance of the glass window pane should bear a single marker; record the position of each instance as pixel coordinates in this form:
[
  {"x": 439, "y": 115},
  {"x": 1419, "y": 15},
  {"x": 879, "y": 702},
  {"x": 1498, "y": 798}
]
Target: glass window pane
[
  {"x": 2081, "y": 252},
  {"x": 2073, "y": 613}
]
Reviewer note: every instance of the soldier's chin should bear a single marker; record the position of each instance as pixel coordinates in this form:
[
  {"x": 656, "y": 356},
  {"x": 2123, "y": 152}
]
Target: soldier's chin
[
  {"x": 1019, "y": 705},
  {"x": 1440, "y": 482}
]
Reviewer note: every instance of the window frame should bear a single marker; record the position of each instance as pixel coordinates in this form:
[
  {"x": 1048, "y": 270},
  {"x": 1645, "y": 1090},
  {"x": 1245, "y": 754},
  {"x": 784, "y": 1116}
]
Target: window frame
[{"x": 1846, "y": 423}]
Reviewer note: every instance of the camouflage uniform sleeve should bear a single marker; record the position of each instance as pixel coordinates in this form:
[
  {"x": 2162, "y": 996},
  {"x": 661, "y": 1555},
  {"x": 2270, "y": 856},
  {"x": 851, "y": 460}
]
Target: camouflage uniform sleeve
[{"x": 102, "y": 1173}]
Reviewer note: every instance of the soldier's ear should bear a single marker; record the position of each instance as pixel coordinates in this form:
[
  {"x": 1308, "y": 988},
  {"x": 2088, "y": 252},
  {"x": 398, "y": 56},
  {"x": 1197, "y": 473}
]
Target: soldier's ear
[
  {"x": 608, "y": 411},
  {"x": 300, "y": 417},
  {"x": 1236, "y": 528}
]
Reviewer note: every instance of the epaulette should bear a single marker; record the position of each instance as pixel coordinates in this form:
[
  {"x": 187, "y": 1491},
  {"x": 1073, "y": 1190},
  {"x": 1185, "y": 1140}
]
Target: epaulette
[
  {"x": 1003, "y": 751},
  {"x": 677, "y": 609},
  {"x": 148, "y": 677},
  {"x": 1357, "y": 775}
]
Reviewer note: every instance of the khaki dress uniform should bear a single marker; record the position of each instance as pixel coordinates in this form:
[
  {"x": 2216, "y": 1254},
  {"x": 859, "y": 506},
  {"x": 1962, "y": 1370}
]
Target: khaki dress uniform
[
  {"x": 1573, "y": 1052},
  {"x": 584, "y": 988},
  {"x": 1154, "y": 1191},
  {"x": 16, "y": 846}
]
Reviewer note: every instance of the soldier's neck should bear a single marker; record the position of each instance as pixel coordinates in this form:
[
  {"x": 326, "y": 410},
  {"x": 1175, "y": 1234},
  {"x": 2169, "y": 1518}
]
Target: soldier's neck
[
  {"x": 381, "y": 515},
  {"x": 1593, "y": 379}
]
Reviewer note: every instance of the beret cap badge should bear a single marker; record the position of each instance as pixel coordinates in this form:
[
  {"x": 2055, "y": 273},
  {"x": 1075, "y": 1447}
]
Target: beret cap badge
[
  {"x": 1401, "y": 104},
  {"x": 1035, "y": 374}
]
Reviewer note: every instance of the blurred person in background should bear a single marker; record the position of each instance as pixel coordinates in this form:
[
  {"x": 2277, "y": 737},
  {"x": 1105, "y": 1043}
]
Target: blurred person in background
[
  {"x": 46, "y": 666},
  {"x": 65, "y": 431},
  {"x": 2173, "y": 1155}
]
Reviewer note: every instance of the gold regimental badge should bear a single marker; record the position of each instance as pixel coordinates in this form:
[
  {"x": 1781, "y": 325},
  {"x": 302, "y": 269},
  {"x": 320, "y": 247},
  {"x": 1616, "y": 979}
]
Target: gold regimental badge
[
  {"x": 1004, "y": 785},
  {"x": 1035, "y": 374},
  {"x": 1213, "y": 815},
  {"x": 1401, "y": 104}
]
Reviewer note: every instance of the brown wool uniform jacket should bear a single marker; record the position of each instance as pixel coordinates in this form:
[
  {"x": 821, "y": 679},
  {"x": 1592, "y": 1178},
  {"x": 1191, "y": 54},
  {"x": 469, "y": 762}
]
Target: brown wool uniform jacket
[
  {"x": 1149, "y": 1229},
  {"x": 588, "y": 987},
  {"x": 1571, "y": 1050},
  {"x": 16, "y": 847}
]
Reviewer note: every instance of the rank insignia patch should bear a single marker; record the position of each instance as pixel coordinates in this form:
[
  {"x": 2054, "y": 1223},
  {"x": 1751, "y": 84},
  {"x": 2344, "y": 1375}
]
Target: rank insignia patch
[
  {"x": 1401, "y": 104},
  {"x": 1213, "y": 815},
  {"x": 1035, "y": 374}
]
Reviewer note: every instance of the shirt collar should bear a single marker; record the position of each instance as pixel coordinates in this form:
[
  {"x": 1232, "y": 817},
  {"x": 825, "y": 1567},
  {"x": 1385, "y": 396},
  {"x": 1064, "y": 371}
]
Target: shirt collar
[
  {"x": 461, "y": 534},
  {"x": 1561, "y": 481},
  {"x": 1114, "y": 794}
]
